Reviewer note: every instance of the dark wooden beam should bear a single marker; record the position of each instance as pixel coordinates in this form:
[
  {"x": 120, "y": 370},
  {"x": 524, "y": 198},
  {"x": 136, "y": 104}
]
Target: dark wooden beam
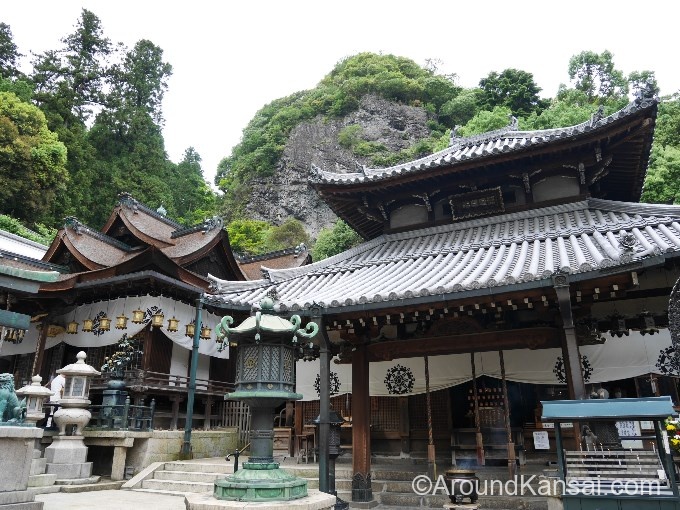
[{"x": 532, "y": 338}]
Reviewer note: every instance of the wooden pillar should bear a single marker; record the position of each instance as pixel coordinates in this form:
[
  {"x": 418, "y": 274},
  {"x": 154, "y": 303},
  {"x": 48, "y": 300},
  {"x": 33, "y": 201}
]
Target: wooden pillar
[
  {"x": 431, "y": 464},
  {"x": 404, "y": 425},
  {"x": 361, "y": 430},
  {"x": 512, "y": 462},
  {"x": 570, "y": 352},
  {"x": 207, "y": 402},
  {"x": 478, "y": 425},
  {"x": 175, "y": 399},
  {"x": 40, "y": 347}
]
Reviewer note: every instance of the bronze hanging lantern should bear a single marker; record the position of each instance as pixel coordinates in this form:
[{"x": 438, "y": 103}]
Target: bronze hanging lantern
[
  {"x": 137, "y": 316},
  {"x": 88, "y": 325},
  {"x": 121, "y": 321},
  {"x": 173, "y": 324},
  {"x": 618, "y": 327},
  {"x": 104, "y": 324},
  {"x": 72, "y": 328},
  {"x": 190, "y": 329},
  {"x": 205, "y": 333},
  {"x": 157, "y": 319},
  {"x": 648, "y": 324}
]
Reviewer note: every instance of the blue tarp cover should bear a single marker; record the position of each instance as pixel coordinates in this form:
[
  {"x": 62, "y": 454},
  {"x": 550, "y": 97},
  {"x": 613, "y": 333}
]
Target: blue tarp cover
[{"x": 614, "y": 408}]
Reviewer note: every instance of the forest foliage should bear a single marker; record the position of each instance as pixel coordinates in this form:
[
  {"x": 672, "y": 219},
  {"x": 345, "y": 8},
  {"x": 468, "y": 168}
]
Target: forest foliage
[{"x": 85, "y": 123}]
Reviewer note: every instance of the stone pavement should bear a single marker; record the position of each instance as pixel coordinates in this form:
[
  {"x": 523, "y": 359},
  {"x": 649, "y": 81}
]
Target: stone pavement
[{"x": 110, "y": 500}]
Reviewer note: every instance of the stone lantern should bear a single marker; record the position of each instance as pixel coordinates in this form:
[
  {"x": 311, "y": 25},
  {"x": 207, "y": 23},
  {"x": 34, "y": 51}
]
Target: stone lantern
[
  {"x": 67, "y": 455},
  {"x": 74, "y": 402},
  {"x": 35, "y": 395},
  {"x": 265, "y": 378}
]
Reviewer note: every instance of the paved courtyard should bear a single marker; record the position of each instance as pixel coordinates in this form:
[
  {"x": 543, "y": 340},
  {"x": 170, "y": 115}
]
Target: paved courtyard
[{"x": 110, "y": 500}]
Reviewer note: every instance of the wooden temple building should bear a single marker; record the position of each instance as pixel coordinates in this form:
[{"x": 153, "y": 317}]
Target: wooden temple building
[
  {"x": 130, "y": 278},
  {"x": 509, "y": 268}
]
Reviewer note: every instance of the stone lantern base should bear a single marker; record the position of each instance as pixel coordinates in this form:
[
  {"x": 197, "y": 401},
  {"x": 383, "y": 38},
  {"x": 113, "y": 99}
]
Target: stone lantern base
[
  {"x": 314, "y": 501},
  {"x": 67, "y": 458},
  {"x": 260, "y": 483}
]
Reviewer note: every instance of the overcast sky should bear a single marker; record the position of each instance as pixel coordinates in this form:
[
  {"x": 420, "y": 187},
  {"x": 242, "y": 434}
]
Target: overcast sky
[{"x": 230, "y": 58}]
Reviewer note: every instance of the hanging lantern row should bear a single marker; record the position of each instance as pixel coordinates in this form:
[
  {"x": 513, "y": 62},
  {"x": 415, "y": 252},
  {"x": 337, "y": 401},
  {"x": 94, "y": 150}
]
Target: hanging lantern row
[
  {"x": 14, "y": 336},
  {"x": 157, "y": 320}
]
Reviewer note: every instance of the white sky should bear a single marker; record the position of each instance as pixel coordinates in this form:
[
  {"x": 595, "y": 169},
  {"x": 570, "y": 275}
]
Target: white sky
[{"x": 230, "y": 58}]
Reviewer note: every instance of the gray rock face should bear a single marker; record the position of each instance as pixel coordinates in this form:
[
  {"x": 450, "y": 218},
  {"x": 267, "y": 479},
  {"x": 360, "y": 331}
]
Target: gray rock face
[{"x": 287, "y": 193}]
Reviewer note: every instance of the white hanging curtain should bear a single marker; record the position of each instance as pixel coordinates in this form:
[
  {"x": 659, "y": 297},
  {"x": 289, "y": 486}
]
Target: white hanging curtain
[
  {"x": 618, "y": 358},
  {"x": 150, "y": 304}
]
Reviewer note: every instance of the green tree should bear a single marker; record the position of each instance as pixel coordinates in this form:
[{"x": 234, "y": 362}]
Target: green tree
[
  {"x": 486, "y": 120},
  {"x": 662, "y": 184},
  {"x": 248, "y": 237},
  {"x": 332, "y": 241},
  {"x": 44, "y": 235},
  {"x": 287, "y": 235},
  {"x": 595, "y": 75},
  {"x": 70, "y": 81},
  {"x": 459, "y": 110},
  {"x": 141, "y": 81},
  {"x": 667, "y": 131},
  {"x": 32, "y": 162},
  {"x": 9, "y": 54},
  {"x": 193, "y": 198},
  {"x": 643, "y": 81},
  {"x": 512, "y": 88}
]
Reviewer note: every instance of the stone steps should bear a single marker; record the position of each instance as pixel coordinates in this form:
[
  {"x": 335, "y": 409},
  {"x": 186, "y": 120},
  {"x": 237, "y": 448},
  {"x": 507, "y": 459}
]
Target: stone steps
[{"x": 177, "y": 486}]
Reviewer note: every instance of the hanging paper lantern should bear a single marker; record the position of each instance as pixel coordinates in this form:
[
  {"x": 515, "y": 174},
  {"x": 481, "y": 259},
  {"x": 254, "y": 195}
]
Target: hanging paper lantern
[{"x": 173, "y": 324}]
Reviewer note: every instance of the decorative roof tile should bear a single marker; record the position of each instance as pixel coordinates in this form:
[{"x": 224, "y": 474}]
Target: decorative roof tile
[{"x": 482, "y": 253}]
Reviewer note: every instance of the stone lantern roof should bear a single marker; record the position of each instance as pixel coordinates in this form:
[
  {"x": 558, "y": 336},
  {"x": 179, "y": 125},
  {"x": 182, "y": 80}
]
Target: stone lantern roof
[{"x": 79, "y": 367}]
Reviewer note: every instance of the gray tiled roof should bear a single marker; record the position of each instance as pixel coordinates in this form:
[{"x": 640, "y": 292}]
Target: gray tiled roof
[
  {"x": 481, "y": 253},
  {"x": 501, "y": 141}
]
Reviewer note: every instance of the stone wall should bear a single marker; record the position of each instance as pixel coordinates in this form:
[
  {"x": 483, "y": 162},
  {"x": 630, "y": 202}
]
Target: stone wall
[{"x": 165, "y": 445}]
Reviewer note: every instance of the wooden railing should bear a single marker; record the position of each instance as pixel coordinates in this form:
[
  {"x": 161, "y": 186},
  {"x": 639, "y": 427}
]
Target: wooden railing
[
  {"x": 145, "y": 380},
  {"x": 122, "y": 417}
]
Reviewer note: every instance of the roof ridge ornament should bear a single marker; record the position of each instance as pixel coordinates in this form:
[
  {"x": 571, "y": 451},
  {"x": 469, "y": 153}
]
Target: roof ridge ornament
[
  {"x": 597, "y": 116},
  {"x": 645, "y": 93}
]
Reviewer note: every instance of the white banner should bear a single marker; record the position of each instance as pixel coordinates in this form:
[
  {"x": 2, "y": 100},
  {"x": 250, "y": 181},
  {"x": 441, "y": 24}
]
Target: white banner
[
  {"x": 618, "y": 358},
  {"x": 150, "y": 304}
]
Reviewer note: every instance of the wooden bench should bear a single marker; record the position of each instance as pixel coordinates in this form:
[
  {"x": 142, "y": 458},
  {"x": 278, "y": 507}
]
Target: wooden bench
[{"x": 611, "y": 471}]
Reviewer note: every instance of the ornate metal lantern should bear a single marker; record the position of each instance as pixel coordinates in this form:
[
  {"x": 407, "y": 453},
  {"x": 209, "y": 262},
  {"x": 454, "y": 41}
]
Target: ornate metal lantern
[
  {"x": 618, "y": 327},
  {"x": 88, "y": 325},
  {"x": 189, "y": 330},
  {"x": 206, "y": 332},
  {"x": 265, "y": 378},
  {"x": 173, "y": 324},
  {"x": 137, "y": 316},
  {"x": 157, "y": 319},
  {"x": 72, "y": 328},
  {"x": 648, "y": 324},
  {"x": 105, "y": 324},
  {"x": 121, "y": 321}
]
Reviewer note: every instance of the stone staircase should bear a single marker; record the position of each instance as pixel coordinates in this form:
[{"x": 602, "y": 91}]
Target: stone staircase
[
  {"x": 391, "y": 482},
  {"x": 179, "y": 478}
]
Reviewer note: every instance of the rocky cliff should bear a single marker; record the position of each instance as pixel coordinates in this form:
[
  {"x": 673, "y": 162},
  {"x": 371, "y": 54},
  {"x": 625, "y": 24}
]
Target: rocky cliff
[{"x": 287, "y": 193}]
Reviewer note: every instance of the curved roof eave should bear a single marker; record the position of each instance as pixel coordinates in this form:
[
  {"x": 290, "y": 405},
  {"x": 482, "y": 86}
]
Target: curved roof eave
[{"x": 485, "y": 146}]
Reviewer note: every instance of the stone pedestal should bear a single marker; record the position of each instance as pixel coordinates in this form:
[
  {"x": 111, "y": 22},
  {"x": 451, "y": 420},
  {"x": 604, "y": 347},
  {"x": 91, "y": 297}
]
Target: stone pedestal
[
  {"x": 314, "y": 501},
  {"x": 16, "y": 450},
  {"x": 67, "y": 458}
]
